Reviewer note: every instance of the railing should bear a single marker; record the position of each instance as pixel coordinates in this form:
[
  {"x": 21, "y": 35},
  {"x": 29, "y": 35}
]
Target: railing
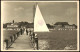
[
  {"x": 33, "y": 38},
  {"x": 34, "y": 41},
  {"x": 10, "y": 41}
]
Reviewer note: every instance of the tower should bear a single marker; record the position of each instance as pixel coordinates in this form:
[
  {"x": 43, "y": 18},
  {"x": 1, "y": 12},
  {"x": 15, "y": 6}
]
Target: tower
[{"x": 13, "y": 21}]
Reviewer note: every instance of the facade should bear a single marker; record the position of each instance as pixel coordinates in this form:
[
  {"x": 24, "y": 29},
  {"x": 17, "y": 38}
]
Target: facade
[
  {"x": 13, "y": 26},
  {"x": 64, "y": 26},
  {"x": 70, "y": 27}
]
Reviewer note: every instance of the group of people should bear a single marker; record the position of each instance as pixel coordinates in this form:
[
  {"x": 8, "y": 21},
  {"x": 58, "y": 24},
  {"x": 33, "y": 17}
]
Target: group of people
[{"x": 29, "y": 32}]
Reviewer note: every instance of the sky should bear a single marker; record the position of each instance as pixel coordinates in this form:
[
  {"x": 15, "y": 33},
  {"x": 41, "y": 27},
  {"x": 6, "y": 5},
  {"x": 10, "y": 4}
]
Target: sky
[{"x": 52, "y": 11}]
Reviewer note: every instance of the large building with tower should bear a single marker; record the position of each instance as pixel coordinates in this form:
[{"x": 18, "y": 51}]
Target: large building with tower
[{"x": 13, "y": 25}]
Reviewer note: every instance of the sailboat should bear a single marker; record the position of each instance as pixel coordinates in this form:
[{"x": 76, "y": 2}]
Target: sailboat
[{"x": 39, "y": 23}]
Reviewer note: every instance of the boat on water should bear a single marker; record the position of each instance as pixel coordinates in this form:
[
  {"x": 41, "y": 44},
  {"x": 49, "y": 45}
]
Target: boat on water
[{"x": 39, "y": 22}]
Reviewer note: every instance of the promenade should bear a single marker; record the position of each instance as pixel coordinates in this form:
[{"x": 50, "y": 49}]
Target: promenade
[{"x": 22, "y": 43}]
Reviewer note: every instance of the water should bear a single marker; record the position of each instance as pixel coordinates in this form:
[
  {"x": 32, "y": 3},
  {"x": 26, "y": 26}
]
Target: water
[
  {"x": 57, "y": 40},
  {"x": 8, "y": 33},
  {"x": 43, "y": 44}
]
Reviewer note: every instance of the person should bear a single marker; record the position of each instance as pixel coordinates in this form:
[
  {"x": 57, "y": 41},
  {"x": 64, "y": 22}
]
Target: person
[
  {"x": 21, "y": 31},
  {"x": 26, "y": 31},
  {"x": 33, "y": 35},
  {"x": 30, "y": 32}
]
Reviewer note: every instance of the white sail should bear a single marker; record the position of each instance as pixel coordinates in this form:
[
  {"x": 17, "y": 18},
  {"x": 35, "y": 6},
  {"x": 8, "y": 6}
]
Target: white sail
[{"x": 39, "y": 23}]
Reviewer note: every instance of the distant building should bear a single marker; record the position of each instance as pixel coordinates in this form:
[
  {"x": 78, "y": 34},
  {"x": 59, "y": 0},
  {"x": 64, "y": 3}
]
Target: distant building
[
  {"x": 13, "y": 26},
  {"x": 70, "y": 26},
  {"x": 64, "y": 26}
]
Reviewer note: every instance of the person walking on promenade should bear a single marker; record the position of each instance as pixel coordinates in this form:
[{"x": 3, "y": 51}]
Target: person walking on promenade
[
  {"x": 26, "y": 31},
  {"x": 30, "y": 32},
  {"x": 33, "y": 35},
  {"x": 21, "y": 31}
]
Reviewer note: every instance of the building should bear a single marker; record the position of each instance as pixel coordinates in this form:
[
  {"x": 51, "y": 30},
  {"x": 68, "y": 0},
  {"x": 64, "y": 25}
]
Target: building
[
  {"x": 64, "y": 26},
  {"x": 70, "y": 27},
  {"x": 13, "y": 26}
]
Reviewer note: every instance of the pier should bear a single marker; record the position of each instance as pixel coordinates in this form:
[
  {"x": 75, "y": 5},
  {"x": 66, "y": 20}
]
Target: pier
[{"x": 22, "y": 41}]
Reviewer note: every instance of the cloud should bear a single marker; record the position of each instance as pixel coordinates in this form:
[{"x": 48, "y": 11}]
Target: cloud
[
  {"x": 71, "y": 11},
  {"x": 52, "y": 12},
  {"x": 18, "y": 9}
]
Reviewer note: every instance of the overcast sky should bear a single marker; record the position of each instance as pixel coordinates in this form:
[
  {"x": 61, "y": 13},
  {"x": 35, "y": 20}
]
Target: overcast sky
[{"x": 52, "y": 11}]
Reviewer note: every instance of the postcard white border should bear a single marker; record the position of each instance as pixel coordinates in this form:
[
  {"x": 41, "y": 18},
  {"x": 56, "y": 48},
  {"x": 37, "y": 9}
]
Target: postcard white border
[{"x": 41, "y": 50}]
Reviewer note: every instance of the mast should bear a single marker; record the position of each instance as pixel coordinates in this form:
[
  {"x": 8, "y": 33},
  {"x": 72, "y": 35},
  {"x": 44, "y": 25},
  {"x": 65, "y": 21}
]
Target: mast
[{"x": 34, "y": 10}]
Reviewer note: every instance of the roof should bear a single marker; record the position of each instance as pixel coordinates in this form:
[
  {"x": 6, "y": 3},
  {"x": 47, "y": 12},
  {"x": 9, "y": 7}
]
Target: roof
[{"x": 61, "y": 23}]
